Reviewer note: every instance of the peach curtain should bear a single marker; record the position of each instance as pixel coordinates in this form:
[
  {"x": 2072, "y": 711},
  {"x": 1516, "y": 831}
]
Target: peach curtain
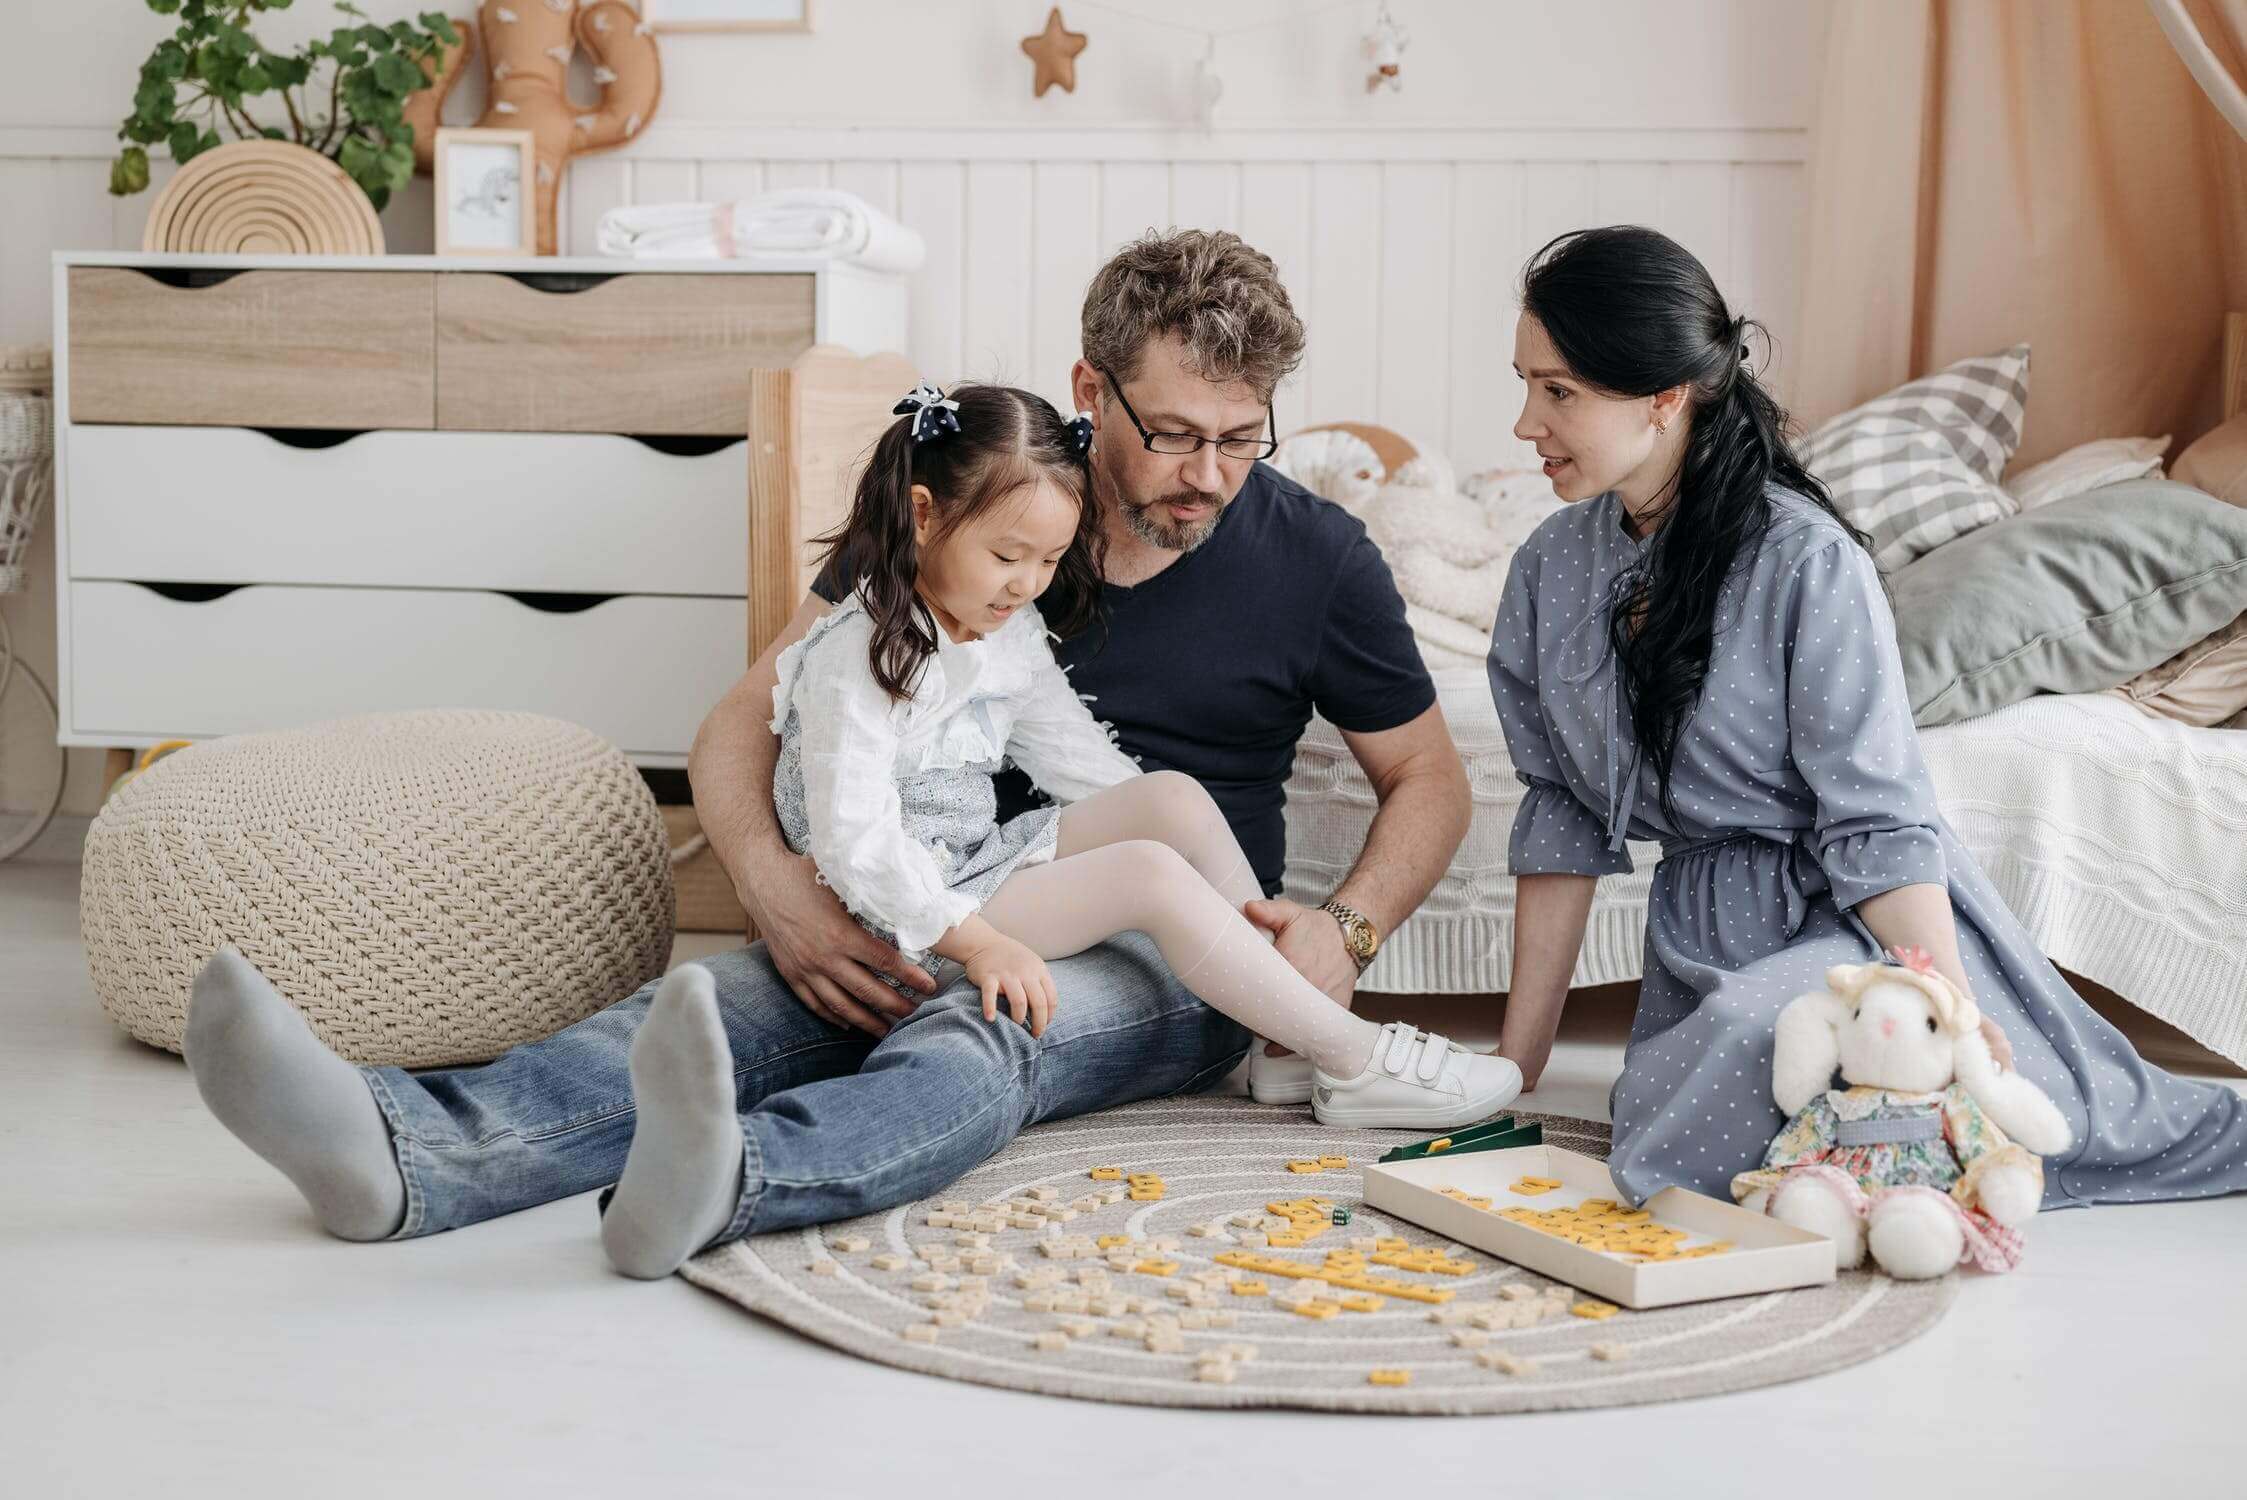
[{"x": 1988, "y": 171}]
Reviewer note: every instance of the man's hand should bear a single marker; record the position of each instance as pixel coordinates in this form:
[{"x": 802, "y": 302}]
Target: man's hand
[
  {"x": 830, "y": 961},
  {"x": 1311, "y": 940}
]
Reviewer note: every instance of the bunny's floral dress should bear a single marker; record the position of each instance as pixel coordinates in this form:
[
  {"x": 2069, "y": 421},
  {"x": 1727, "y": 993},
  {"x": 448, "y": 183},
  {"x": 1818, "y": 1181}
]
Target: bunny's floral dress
[
  {"x": 1869, "y": 1142},
  {"x": 1800, "y": 792}
]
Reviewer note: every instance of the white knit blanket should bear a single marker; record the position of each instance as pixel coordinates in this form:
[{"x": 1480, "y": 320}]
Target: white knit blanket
[{"x": 2119, "y": 840}]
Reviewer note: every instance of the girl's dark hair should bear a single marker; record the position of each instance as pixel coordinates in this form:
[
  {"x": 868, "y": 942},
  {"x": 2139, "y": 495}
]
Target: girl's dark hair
[
  {"x": 1633, "y": 313},
  {"x": 1007, "y": 441}
]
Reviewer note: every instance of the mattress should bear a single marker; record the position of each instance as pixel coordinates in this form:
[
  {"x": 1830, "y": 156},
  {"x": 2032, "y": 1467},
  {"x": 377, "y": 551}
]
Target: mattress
[{"x": 2118, "y": 839}]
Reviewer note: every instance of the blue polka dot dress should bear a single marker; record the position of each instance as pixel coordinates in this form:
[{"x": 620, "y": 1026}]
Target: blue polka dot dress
[{"x": 1800, "y": 792}]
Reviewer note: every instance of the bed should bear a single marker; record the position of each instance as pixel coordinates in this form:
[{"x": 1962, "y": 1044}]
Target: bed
[{"x": 2119, "y": 839}]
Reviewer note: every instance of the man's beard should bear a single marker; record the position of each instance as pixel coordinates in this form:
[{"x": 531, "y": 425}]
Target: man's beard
[{"x": 1173, "y": 536}]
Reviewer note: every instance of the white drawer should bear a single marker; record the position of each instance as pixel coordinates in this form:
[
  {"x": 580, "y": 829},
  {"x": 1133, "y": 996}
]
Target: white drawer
[
  {"x": 640, "y": 671},
  {"x": 561, "y": 512}
]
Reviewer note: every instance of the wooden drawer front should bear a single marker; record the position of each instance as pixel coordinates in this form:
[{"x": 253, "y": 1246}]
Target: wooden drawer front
[
  {"x": 258, "y": 349},
  {"x": 657, "y": 352},
  {"x": 562, "y": 512},
  {"x": 641, "y": 672}
]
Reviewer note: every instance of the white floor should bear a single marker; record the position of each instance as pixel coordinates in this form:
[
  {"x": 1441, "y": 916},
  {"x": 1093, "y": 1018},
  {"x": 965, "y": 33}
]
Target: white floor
[{"x": 172, "y": 1323}]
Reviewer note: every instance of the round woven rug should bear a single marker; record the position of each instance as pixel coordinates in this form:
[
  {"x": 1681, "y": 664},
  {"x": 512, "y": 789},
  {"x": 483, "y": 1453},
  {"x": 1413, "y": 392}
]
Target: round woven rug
[{"x": 1219, "y": 1156}]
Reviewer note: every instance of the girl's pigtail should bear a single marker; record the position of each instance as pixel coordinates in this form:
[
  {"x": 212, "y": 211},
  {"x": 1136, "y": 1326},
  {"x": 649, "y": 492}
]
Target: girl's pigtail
[{"x": 874, "y": 550}]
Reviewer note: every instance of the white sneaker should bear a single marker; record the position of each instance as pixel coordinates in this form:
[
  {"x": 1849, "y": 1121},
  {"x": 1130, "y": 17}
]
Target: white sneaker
[
  {"x": 1417, "y": 1080},
  {"x": 1278, "y": 1080}
]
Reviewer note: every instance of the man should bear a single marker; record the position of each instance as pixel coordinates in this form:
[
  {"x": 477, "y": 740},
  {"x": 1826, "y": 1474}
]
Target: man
[{"x": 1237, "y": 603}]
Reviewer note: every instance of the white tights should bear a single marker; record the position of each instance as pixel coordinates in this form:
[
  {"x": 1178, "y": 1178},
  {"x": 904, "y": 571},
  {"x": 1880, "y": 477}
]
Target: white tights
[{"x": 1155, "y": 855}]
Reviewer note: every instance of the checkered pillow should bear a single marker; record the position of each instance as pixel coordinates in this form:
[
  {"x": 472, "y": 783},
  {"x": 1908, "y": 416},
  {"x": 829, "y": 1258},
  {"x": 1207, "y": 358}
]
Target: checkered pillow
[{"x": 1919, "y": 466}]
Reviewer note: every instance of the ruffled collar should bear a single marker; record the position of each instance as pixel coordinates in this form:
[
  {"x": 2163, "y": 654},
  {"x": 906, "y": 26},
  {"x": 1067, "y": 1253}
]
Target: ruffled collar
[{"x": 959, "y": 675}]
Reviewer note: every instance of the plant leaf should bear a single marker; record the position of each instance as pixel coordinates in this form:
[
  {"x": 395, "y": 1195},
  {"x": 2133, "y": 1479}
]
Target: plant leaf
[{"x": 128, "y": 174}]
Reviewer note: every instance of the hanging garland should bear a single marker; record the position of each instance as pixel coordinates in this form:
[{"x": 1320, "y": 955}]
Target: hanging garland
[{"x": 1055, "y": 49}]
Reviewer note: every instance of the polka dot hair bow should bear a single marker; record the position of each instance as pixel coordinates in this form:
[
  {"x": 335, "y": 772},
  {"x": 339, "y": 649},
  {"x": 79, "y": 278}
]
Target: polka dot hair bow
[
  {"x": 1080, "y": 433},
  {"x": 933, "y": 414}
]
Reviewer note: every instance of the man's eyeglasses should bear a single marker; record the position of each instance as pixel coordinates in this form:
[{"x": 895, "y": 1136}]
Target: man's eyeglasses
[{"x": 1191, "y": 442}]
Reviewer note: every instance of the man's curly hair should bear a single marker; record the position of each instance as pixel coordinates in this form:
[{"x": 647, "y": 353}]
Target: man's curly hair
[{"x": 1217, "y": 295}]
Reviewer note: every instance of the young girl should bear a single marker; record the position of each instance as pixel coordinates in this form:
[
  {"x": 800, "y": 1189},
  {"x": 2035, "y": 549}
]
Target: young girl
[{"x": 895, "y": 710}]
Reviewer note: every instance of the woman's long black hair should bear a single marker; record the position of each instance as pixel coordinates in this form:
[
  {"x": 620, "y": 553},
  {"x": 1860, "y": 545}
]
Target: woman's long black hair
[
  {"x": 1008, "y": 439},
  {"x": 1632, "y": 314}
]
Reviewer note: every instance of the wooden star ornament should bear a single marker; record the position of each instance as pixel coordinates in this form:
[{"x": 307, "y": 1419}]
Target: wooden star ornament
[{"x": 1055, "y": 51}]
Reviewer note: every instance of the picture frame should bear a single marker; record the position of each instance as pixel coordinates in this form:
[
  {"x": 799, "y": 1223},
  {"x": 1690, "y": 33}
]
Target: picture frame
[
  {"x": 486, "y": 199},
  {"x": 727, "y": 15}
]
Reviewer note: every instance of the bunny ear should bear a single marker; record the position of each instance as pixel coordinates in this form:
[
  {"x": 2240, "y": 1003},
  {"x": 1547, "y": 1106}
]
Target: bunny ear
[
  {"x": 2015, "y": 1105},
  {"x": 1846, "y": 980},
  {"x": 1806, "y": 1046}
]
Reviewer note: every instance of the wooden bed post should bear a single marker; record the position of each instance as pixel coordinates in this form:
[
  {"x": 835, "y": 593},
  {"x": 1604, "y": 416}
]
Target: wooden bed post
[
  {"x": 2235, "y": 364},
  {"x": 810, "y": 428}
]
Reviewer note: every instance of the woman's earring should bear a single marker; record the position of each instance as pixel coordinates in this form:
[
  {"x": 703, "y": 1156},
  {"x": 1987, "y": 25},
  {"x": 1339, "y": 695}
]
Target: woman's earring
[{"x": 1662, "y": 428}]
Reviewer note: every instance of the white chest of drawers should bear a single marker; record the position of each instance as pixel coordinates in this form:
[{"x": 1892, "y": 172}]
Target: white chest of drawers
[{"x": 295, "y": 487}]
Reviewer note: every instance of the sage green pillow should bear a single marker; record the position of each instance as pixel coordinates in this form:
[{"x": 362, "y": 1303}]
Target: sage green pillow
[{"x": 2073, "y": 597}]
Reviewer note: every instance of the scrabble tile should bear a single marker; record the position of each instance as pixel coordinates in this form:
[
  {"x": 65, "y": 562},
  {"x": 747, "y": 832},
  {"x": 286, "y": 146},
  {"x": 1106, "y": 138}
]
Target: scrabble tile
[{"x": 1389, "y": 1377}]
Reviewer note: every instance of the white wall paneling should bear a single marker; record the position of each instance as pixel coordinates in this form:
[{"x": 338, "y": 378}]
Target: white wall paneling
[{"x": 1402, "y": 247}]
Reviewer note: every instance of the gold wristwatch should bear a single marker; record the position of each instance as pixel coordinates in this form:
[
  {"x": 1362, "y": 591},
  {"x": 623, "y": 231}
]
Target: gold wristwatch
[{"x": 1357, "y": 933}]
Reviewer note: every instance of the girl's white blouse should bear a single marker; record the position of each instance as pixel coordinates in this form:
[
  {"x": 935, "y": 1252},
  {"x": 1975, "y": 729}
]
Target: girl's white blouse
[{"x": 976, "y": 702}]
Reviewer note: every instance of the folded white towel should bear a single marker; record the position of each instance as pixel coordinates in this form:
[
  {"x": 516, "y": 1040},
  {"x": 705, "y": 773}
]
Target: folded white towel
[{"x": 796, "y": 221}]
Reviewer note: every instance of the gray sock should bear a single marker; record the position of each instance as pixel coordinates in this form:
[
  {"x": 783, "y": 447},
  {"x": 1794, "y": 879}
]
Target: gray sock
[
  {"x": 682, "y": 1177},
  {"x": 291, "y": 1100}
]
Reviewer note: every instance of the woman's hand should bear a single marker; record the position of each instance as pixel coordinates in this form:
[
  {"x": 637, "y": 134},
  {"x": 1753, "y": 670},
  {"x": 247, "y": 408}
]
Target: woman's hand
[
  {"x": 1002, "y": 966},
  {"x": 827, "y": 960},
  {"x": 2001, "y": 1050},
  {"x": 1529, "y": 1056}
]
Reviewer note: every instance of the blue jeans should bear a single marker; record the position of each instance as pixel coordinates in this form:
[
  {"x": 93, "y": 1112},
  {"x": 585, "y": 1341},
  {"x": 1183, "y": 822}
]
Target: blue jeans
[{"x": 834, "y": 1123}]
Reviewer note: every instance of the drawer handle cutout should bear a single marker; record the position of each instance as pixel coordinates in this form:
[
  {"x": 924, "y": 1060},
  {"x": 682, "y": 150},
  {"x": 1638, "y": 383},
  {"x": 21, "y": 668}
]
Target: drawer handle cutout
[
  {"x": 685, "y": 444},
  {"x": 190, "y": 593},
  {"x": 556, "y": 604},
  {"x": 185, "y": 278},
  {"x": 560, "y": 283},
  {"x": 309, "y": 437}
]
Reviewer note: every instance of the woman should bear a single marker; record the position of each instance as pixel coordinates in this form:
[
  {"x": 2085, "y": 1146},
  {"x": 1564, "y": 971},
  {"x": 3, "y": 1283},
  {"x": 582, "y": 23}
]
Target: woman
[{"x": 1699, "y": 651}]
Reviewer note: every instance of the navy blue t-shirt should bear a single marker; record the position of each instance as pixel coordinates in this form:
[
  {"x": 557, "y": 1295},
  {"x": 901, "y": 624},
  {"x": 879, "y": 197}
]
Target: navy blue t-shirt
[{"x": 1214, "y": 665}]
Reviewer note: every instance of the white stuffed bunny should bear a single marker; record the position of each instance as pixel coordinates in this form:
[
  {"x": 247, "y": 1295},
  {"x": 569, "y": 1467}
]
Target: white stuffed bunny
[
  {"x": 1925, "y": 1159},
  {"x": 1336, "y": 465}
]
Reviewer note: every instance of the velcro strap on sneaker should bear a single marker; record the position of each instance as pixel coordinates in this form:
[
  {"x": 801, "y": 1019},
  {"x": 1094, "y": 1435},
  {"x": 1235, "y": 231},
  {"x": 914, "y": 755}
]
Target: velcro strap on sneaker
[{"x": 1394, "y": 1050}]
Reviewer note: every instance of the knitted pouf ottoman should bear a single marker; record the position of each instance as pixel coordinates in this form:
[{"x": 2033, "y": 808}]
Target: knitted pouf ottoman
[{"x": 427, "y": 888}]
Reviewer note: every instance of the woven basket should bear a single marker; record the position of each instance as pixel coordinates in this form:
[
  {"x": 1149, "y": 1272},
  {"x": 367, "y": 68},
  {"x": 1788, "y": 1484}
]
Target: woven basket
[{"x": 427, "y": 888}]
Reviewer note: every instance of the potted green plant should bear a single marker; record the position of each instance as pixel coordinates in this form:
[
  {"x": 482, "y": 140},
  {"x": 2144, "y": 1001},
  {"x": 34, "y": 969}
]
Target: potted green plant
[{"x": 212, "y": 74}]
